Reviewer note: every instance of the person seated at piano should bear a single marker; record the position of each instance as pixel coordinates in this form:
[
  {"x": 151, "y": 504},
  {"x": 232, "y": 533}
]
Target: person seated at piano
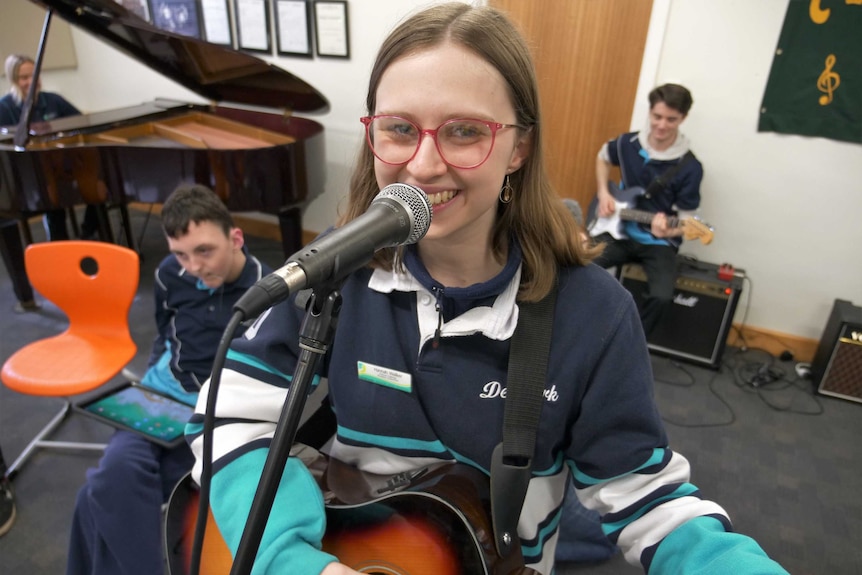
[
  {"x": 116, "y": 526},
  {"x": 658, "y": 161},
  {"x": 417, "y": 370},
  {"x": 47, "y": 106}
]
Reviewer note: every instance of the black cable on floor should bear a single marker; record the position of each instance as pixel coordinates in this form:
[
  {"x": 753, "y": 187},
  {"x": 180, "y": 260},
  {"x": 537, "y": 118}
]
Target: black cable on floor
[
  {"x": 711, "y": 385},
  {"x": 760, "y": 375}
]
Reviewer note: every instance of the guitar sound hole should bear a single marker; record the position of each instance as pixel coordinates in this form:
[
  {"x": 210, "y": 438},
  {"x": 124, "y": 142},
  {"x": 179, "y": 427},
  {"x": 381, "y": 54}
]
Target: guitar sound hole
[{"x": 380, "y": 571}]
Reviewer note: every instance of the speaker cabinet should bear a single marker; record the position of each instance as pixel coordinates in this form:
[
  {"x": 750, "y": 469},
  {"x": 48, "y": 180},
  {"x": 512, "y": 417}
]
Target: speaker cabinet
[
  {"x": 696, "y": 326},
  {"x": 837, "y": 366}
]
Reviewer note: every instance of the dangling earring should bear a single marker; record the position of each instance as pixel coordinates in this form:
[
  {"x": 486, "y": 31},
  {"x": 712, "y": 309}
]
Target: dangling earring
[{"x": 506, "y": 192}]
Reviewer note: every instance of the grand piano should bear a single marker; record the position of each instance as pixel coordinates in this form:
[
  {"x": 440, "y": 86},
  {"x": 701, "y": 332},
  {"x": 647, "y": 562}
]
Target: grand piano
[{"x": 254, "y": 160}]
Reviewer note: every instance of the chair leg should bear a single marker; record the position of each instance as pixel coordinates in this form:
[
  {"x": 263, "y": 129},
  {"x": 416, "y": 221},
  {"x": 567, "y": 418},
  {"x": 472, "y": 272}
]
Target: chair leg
[{"x": 40, "y": 441}]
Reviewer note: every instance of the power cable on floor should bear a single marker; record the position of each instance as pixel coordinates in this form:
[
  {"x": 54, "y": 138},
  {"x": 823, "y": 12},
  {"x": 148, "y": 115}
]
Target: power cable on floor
[{"x": 711, "y": 386}]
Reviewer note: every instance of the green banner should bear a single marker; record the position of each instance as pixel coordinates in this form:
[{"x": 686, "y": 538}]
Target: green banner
[{"x": 815, "y": 84}]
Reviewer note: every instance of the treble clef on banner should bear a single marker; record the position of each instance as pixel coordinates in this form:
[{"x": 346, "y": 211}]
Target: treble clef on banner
[{"x": 828, "y": 81}]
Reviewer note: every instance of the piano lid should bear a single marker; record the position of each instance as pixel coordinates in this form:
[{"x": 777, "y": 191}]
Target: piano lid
[{"x": 215, "y": 72}]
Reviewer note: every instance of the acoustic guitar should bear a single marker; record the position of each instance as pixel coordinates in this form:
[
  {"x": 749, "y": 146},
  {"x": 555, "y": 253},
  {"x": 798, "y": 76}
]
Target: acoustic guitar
[
  {"x": 693, "y": 227},
  {"x": 434, "y": 521}
]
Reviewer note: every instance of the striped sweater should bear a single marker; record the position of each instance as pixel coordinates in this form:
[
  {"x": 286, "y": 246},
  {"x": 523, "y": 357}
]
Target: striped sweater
[{"x": 417, "y": 375}]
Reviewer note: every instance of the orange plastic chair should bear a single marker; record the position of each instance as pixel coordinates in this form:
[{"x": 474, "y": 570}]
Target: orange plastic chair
[{"x": 94, "y": 284}]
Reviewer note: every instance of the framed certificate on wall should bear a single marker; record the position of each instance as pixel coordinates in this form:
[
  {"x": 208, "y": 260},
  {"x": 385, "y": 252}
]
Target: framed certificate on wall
[
  {"x": 215, "y": 15},
  {"x": 330, "y": 28},
  {"x": 293, "y": 27},
  {"x": 252, "y": 25}
]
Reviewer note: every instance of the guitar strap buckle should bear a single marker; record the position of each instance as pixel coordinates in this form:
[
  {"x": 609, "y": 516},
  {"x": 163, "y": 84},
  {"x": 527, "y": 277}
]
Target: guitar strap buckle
[{"x": 509, "y": 483}]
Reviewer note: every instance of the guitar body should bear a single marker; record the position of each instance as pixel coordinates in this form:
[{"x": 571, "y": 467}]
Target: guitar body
[
  {"x": 692, "y": 227},
  {"x": 430, "y": 522},
  {"x": 612, "y": 224},
  {"x": 180, "y": 521},
  {"x": 389, "y": 542}
]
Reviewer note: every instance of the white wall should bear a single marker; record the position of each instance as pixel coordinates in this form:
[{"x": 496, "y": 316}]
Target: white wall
[{"x": 787, "y": 209}]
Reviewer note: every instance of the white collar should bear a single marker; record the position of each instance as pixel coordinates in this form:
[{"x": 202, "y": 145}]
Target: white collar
[
  {"x": 680, "y": 146},
  {"x": 497, "y": 321}
]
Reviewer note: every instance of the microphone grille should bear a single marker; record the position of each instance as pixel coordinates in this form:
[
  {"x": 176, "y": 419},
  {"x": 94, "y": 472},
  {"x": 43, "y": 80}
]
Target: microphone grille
[{"x": 418, "y": 207}]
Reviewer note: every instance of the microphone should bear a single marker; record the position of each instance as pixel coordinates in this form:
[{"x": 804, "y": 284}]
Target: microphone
[{"x": 400, "y": 214}]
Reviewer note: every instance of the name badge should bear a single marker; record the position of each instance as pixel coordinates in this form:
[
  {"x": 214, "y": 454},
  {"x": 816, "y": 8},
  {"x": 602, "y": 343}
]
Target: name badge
[{"x": 384, "y": 376}]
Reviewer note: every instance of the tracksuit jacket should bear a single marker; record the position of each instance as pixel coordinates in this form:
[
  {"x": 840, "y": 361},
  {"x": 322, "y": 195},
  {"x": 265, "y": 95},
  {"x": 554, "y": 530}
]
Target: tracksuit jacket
[
  {"x": 417, "y": 375},
  {"x": 641, "y": 165}
]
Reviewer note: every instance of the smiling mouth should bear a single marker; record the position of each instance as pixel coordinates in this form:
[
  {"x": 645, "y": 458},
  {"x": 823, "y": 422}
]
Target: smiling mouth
[{"x": 441, "y": 197}]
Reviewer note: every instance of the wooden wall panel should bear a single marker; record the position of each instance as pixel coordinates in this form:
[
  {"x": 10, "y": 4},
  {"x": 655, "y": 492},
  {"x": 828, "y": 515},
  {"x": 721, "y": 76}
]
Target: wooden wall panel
[{"x": 588, "y": 56}]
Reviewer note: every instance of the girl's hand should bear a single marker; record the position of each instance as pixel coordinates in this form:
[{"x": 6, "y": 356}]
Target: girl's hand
[{"x": 338, "y": 569}]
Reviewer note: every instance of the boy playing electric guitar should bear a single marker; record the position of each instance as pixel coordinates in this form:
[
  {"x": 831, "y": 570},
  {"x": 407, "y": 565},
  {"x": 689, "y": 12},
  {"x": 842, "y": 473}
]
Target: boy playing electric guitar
[{"x": 660, "y": 162}]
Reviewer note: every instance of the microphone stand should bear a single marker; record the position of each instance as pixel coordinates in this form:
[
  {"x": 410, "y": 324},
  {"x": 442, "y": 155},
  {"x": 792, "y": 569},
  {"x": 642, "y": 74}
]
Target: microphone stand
[{"x": 315, "y": 336}]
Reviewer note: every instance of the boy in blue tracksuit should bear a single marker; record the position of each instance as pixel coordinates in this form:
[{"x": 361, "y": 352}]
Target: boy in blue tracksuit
[
  {"x": 117, "y": 520},
  {"x": 659, "y": 163}
]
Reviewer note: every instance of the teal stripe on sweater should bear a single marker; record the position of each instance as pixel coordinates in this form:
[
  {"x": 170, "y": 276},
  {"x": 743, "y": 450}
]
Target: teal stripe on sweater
[
  {"x": 392, "y": 442},
  {"x": 655, "y": 459},
  {"x": 254, "y": 362},
  {"x": 683, "y": 490}
]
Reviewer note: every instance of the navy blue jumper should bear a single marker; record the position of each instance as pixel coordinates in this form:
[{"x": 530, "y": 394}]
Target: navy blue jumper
[
  {"x": 117, "y": 524},
  {"x": 409, "y": 390},
  {"x": 640, "y": 166}
]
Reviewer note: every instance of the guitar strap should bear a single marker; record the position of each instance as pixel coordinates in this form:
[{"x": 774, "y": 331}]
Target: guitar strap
[
  {"x": 660, "y": 181},
  {"x": 512, "y": 460},
  {"x": 664, "y": 179}
]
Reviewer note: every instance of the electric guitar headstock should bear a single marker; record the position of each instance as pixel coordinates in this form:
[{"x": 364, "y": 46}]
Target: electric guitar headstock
[{"x": 696, "y": 229}]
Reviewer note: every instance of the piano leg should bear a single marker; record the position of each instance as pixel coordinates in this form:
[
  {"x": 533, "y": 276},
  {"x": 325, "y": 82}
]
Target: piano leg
[
  {"x": 105, "y": 232},
  {"x": 24, "y": 228},
  {"x": 290, "y": 223},
  {"x": 12, "y": 250},
  {"x": 73, "y": 219},
  {"x": 127, "y": 226}
]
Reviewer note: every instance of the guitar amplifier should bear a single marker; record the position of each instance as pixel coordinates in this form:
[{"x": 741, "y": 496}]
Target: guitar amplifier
[
  {"x": 695, "y": 328},
  {"x": 837, "y": 366}
]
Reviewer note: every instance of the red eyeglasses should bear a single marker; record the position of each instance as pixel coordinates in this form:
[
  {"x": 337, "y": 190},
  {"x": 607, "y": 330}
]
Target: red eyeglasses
[{"x": 462, "y": 142}]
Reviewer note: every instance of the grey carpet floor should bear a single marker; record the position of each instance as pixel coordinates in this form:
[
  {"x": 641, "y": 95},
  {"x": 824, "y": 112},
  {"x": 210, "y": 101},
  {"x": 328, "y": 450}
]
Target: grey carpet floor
[{"x": 784, "y": 462}]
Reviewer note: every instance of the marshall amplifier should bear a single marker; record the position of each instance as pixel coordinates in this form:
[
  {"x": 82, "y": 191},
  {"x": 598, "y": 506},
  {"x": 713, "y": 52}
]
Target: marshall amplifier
[
  {"x": 696, "y": 326},
  {"x": 837, "y": 366}
]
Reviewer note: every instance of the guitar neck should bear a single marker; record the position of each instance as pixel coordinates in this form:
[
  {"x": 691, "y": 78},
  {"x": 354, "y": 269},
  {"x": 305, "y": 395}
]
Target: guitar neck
[{"x": 644, "y": 217}]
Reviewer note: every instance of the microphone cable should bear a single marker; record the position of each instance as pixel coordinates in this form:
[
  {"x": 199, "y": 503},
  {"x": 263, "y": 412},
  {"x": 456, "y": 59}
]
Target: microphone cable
[{"x": 207, "y": 438}]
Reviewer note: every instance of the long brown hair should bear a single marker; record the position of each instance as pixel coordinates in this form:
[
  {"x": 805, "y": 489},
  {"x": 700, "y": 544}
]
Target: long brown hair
[{"x": 546, "y": 230}]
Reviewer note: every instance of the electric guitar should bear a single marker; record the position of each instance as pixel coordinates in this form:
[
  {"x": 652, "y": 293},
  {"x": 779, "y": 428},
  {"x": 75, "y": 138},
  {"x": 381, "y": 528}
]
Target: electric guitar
[
  {"x": 434, "y": 521},
  {"x": 693, "y": 227}
]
